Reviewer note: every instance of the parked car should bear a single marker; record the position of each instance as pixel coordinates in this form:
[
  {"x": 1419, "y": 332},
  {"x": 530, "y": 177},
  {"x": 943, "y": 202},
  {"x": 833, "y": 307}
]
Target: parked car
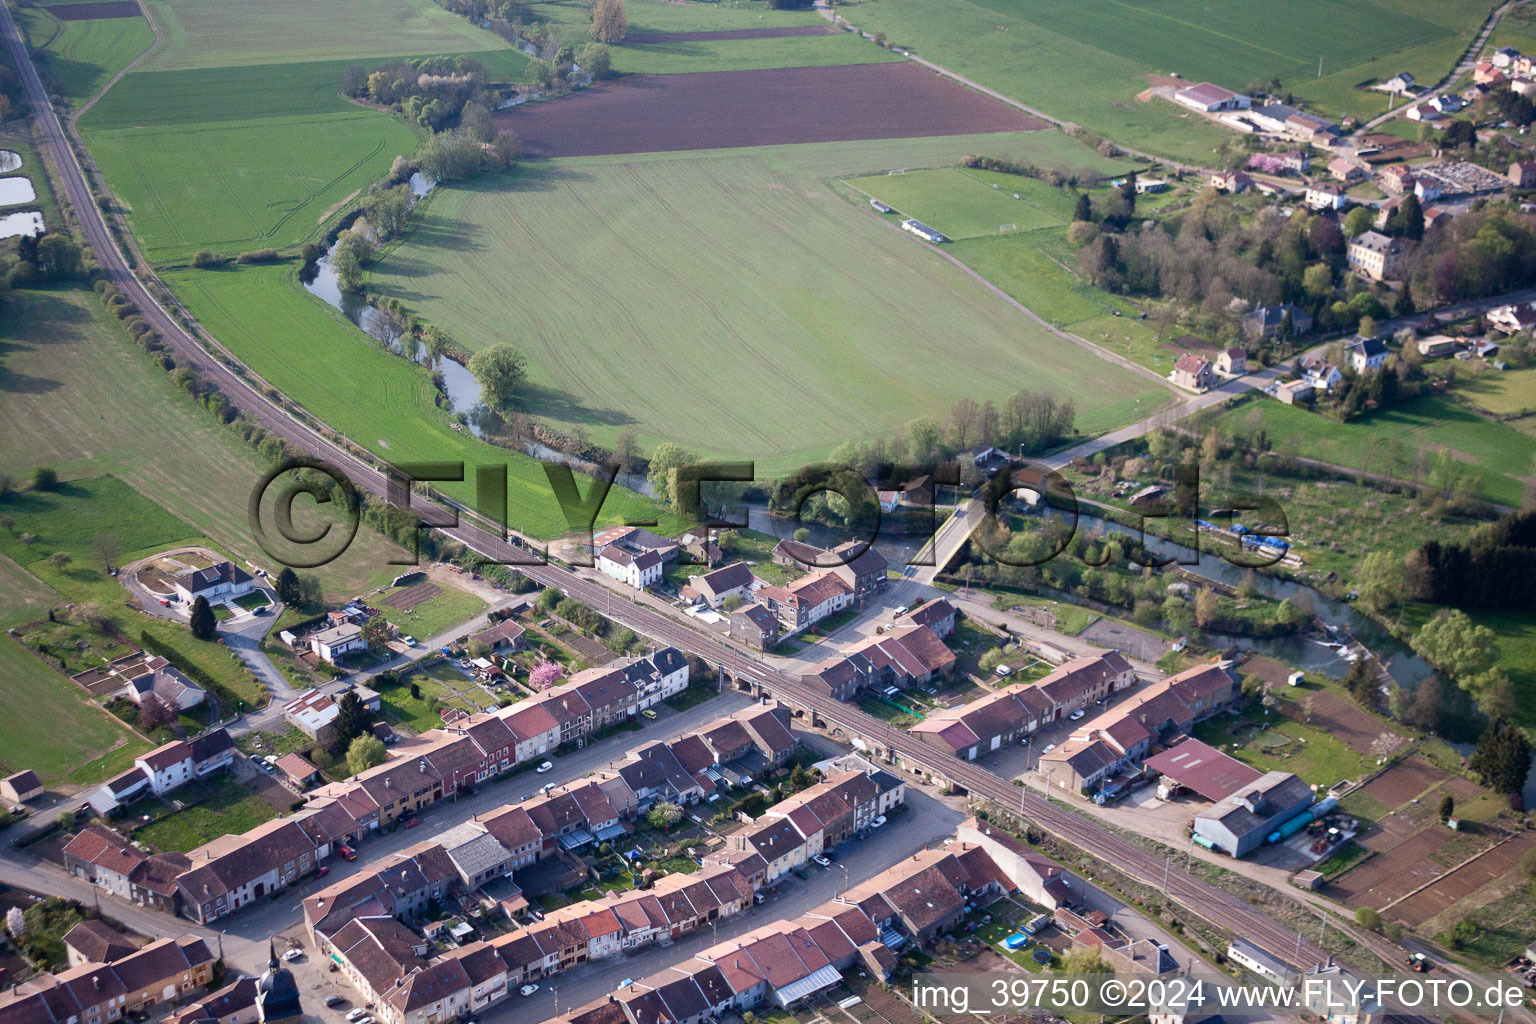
[
  {"x": 1074, "y": 716},
  {"x": 527, "y": 990},
  {"x": 293, "y": 954},
  {"x": 542, "y": 768},
  {"x": 546, "y": 787},
  {"x": 1048, "y": 748},
  {"x": 357, "y": 1015},
  {"x": 625, "y": 983},
  {"x": 407, "y": 639},
  {"x": 411, "y": 822},
  {"x": 347, "y": 853},
  {"x": 334, "y": 1000},
  {"x": 648, "y": 713},
  {"x": 877, "y": 822},
  {"x": 1004, "y": 670},
  {"x": 322, "y": 870},
  {"x": 819, "y": 859}
]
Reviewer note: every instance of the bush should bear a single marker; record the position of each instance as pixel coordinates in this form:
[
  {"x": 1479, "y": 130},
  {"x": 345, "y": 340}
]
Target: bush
[
  {"x": 203, "y": 259},
  {"x": 1368, "y": 918},
  {"x": 44, "y": 478},
  {"x": 259, "y": 256}
]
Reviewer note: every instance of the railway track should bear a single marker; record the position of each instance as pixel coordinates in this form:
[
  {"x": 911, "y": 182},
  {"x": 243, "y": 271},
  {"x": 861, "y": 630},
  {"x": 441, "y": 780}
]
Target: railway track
[{"x": 1219, "y": 908}]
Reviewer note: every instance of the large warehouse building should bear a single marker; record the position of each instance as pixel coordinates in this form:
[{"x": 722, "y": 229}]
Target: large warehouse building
[{"x": 1242, "y": 821}]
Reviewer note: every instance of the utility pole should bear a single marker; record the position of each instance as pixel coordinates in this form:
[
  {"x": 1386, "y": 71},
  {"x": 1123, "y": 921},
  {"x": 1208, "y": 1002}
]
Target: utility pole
[{"x": 1167, "y": 862}]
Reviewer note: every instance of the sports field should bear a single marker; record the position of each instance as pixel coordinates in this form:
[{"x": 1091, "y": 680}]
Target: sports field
[
  {"x": 381, "y": 401},
  {"x": 235, "y": 185},
  {"x": 219, "y": 33},
  {"x": 81, "y": 397},
  {"x": 963, "y": 203},
  {"x": 1086, "y": 62},
  {"x": 732, "y": 301},
  {"x": 1388, "y": 442},
  {"x": 1012, "y": 230},
  {"x": 80, "y": 56}
]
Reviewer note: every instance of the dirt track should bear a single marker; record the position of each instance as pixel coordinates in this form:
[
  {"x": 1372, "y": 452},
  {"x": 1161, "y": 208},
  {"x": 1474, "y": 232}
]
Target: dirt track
[
  {"x": 647, "y": 38},
  {"x": 730, "y": 109}
]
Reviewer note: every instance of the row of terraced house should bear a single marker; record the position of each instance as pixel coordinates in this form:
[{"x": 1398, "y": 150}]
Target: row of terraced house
[{"x": 218, "y": 878}]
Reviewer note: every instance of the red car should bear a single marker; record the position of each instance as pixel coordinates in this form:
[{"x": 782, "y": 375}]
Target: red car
[
  {"x": 322, "y": 871},
  {"x": 411, "y": 822}
]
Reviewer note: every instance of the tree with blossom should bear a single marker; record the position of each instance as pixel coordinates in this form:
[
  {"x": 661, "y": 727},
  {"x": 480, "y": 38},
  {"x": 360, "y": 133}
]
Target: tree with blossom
[{"x": 545, "y": 674}]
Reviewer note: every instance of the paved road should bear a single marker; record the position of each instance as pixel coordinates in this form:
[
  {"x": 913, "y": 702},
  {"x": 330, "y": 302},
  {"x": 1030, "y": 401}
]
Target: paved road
[{"x": 1467, "y": 62}]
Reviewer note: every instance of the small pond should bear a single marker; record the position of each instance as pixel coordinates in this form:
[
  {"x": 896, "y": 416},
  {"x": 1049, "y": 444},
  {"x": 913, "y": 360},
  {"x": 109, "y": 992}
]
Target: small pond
[
  {"x": 9, "y": 161},
  {"x": 15, "y": 225},
  {"x": 15, "y": 191}
]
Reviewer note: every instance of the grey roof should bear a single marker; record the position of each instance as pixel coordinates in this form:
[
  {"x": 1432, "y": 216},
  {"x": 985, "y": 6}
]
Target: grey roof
[
  {"x": 1276, "y": 793},
  {"x": 1368, "y": 346},
  {"x": 472, "y": 849}
]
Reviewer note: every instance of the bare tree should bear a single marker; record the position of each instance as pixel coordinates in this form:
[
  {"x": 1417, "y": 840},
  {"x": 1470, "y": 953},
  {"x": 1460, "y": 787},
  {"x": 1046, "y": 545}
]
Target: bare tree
[{"x": 105, "y": 547}]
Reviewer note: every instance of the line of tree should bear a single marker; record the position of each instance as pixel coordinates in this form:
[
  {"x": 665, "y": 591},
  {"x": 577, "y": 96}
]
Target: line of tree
[
  {"x": 1495, "y": 567},
  {"x": 1061, "y": 176}
]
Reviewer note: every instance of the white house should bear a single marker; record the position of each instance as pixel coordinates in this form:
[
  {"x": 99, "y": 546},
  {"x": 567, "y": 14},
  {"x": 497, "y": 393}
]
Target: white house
[
  {"x": 639, "y": 571},
  {"x": 216, "y": 583},
  {"x": 1208, "y": 98},
  {"x": 168, "y": 766},
  {"x": 1366, "y": 354},
  {"x": 1323, "y": 196},
  {"x": 1399, "y": 83},
  {"x": 1447, "y": 103},
  {"x": 1504, "y": 57},
  {"x": 1322, "y": 375},
  {"x": 1422, "y": 112},
  {"x": 330, "y": 644}
]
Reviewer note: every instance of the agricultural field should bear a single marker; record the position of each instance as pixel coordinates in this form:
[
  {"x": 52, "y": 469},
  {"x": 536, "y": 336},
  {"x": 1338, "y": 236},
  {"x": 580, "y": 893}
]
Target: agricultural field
[
  {"x": 861, "y": 331},
  {"x": 385, "y": 403},
  {"x": 82, "y": 56},
  {"x": 82, "y": 398},
  {"x": 695, "y": 55},
  {"x": 83, "y": 744},
  {"x": 1388, "y": 442},
  {"x": 1087, "y": 63},
  {"x": 668, "y": 38},
  {"x": 205, "y": 34},
  {"x": 239, "y": 185}
]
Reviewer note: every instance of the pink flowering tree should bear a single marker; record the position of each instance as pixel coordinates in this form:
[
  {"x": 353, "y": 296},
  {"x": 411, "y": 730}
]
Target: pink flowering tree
[{"x": 545, "y": 674}]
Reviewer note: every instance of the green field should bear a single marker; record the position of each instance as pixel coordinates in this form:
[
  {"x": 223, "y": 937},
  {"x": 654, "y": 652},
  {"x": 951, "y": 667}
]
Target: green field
[
  {"x": 1086, "y": 62},
  {"x": 1500, "y": 454},
  {"x": 248, "y": 184},
  {"x": 82, "y": 744},
  {"x": 81, "y": 397},
  {"x": 207, "y": 95},
  {"x": 963, "y": 204},
  {"x": 730, "y": 301},
  {"x": 1502, "y": 393},
  {"x": 1032, "y": 261},
  {"x": 436, "y": 615},
  {"x": 69, "y": 516},
  {"x": 79, "y": 57},
  {"x": 220, "y": 33},
  {"x": 382, "y": 401},
  {"x": 230, "y": 809},
  {"x": 572, "y": 25}
]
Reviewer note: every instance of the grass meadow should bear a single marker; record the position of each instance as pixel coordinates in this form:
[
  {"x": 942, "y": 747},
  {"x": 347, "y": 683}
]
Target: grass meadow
[
  {"x": 731, "y": 301},
  {"x": 82, "y": 743},
  {"x": 1388, "y": 442},
  {"x": 379, "y": 400},
  {"x": 79, "y": 57},
  {"x": 237, "y": 185},
  {"x": 434, "y": 616},
  {"x": 214, "y": 34},
  {"x": 82, "y": 398},
  {"x": 1087, "y": 62},
  {"x": 676, "y": 58},
  {"x": 963, "y": 204}
]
